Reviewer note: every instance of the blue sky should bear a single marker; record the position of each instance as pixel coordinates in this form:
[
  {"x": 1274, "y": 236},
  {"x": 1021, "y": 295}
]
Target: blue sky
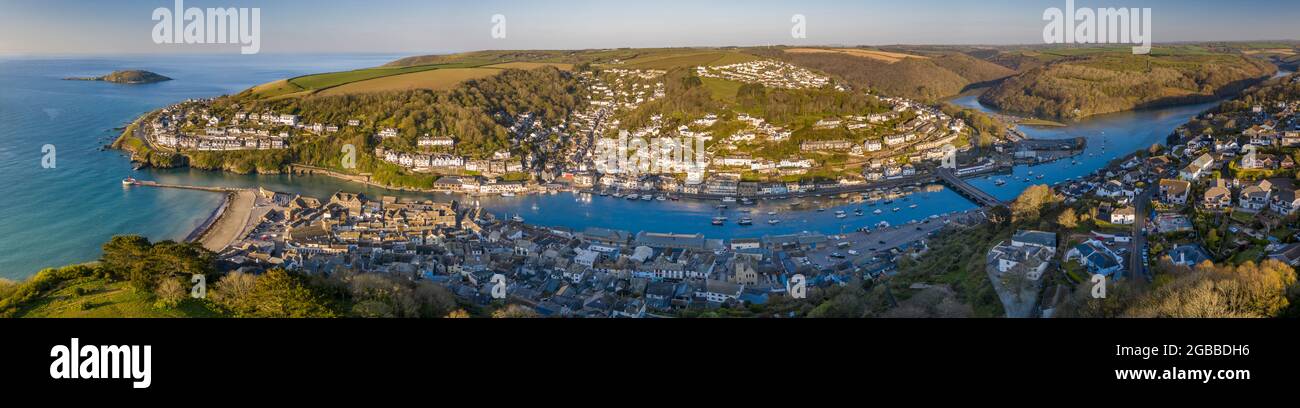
[{"x": 421, "y": 26}]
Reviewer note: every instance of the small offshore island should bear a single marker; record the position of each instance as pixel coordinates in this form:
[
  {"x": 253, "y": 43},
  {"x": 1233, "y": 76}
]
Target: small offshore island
[{"x": 127, "y": 77}]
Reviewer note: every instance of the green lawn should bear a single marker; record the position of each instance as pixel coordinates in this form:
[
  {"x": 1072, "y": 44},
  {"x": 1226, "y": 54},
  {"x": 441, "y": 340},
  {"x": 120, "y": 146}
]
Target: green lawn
[{"x": 106, "y": 300}]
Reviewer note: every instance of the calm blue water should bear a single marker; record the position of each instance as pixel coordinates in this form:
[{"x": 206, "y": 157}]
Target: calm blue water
[
  {"x": 1109, "y": 136},
  {"x": 51, "y": 217}
]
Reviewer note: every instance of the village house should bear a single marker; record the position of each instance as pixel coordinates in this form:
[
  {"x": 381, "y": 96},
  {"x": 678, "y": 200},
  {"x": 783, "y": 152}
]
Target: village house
[
  {"x": 1218, "y": 196},
  {"x": 1174, "y": 192},
  {"x": 1255, "y": 197},
  {"x": 1197, "y": 168}
]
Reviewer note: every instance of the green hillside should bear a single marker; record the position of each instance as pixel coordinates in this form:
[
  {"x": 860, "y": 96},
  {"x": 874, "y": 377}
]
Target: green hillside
[
  {"x": 934, "y": 77},
  {"x": 1095, "y": 82}
]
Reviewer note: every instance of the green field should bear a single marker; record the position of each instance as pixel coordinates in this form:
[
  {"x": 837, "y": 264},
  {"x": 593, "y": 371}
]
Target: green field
[
  {"x": 102, "y": 299},
  {"x": 317, "y": 82},
  {"x": 687, "y": 59},
  {"x": 722, "y": 89},
  {"x": 438, "y": 79}
]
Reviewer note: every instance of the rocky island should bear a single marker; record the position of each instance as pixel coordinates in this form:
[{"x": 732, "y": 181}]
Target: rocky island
[{"x": 129, "y": 77}]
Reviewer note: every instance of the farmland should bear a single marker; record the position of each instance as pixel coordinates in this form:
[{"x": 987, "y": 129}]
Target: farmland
[
  {"x": 883, "y": 56},
  {"x": 437, "y": 79}
]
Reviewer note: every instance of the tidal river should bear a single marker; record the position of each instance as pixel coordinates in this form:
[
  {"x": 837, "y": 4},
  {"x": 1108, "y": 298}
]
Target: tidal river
[{"x": 61, "y": 215}]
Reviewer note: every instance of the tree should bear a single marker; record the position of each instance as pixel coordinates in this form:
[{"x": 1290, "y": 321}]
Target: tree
[
  {"x": 170, "y": 293},
  {"x": 276, "y": 294},
  {"x": 514, "y": 312},
  {"x": 1068, "y": 219},
  {"x": 1029, "y": 205}
]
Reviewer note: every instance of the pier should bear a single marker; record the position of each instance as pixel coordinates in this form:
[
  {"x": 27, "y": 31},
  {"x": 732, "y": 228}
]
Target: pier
[
  {"x": 967, "y": 190},
  {"x": 148, "y": 183}
]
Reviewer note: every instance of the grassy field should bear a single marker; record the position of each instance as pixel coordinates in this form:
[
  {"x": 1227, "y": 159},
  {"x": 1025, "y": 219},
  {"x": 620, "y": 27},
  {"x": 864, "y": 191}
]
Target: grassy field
[
  {"x": 439, "y": 79},
  {"x": 532, "y": 65},
  {"x": 883, "y": 56},
  {"x": 722, "y": 89},
  {"x": 102, "y": 299},
  {"x": 686, "y": 59},
  {"x": 307, "y": 84}
]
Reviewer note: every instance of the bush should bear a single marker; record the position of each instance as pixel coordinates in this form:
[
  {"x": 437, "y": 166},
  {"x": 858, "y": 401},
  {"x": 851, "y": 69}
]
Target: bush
[{"x": 170, "y": 293}]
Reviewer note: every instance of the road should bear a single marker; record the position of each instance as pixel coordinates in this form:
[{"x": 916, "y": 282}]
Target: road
[{"x": 1142, "y": 208}]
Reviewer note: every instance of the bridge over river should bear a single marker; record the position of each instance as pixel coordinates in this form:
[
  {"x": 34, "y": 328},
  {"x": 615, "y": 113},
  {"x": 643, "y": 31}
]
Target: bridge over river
[{"x": 948, "y": 177}]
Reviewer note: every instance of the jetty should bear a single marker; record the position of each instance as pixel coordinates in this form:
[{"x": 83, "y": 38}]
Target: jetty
[{"x": 148, "y": 183}]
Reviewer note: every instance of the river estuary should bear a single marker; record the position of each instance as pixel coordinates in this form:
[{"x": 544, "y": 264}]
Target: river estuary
[{"x": 52, "y": 217}]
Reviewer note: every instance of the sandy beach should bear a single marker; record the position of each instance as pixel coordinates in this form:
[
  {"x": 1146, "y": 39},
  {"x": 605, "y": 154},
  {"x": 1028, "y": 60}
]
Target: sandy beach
[{"x": 231, "y": 223}]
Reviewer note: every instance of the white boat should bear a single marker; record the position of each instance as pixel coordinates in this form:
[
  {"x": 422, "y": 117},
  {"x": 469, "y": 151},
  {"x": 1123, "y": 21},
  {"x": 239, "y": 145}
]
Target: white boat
[
  {"x": 773, "y": 221},
  {"x": 877, "y": 212},
  {"x": 128, "y": 181},
  {"x": 840, "y": 214},
  {"x": 646, "y": 197},
  {"x": 913, "y": 206},
  {"x": 535, "y": 207},
  {"x": 507, "y": 194},
  {"x": 517, "y": 218},
  {"x": 728, "y": 199},
  {"x": 661, "y": 198}
]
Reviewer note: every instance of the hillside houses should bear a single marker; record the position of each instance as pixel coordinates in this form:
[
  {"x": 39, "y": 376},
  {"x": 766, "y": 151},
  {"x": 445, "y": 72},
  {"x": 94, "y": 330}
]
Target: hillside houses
[{"x": 769, "y": 73}]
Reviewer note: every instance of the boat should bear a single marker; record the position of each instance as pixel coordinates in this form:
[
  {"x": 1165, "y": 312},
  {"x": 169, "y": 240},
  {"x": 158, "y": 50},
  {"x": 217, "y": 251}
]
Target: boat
[
  {"x": 719, "y": 221},
  {"x": 821, "y": 210},
  {"x": 128, "y": 181},
  {"x": 674, "y": 198},
  {"x": 999, "y": 182},
  {"x": 535, "y": 207},
  {"x": 858, "y": 212},
  {"x": 877, "y": 212},
  {"x": 896, "y": 209},
  {"x": 840, "y": 214},
  {"x": 617, "y": 195},
  {"x": 722, "y": 206},
  {"x": 882, "y": 224},
  {"x": 913, "y": 206},
  {"x": 647, "y": 197},
  {"x": 661, "y": 197},
  {"x": 770, "y": 213},
  {"x": 773, "y": 221},
  {"x": 746, "y": 221},
  {"x": 631, "y": 197},
  {"x": 517, "y": 218},
  {"x": 507, "y": 194},
  {"x": 746, "y": 201},
  {"x": 604, "y": 193},
  {"x": 1040, "y": 176}
]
